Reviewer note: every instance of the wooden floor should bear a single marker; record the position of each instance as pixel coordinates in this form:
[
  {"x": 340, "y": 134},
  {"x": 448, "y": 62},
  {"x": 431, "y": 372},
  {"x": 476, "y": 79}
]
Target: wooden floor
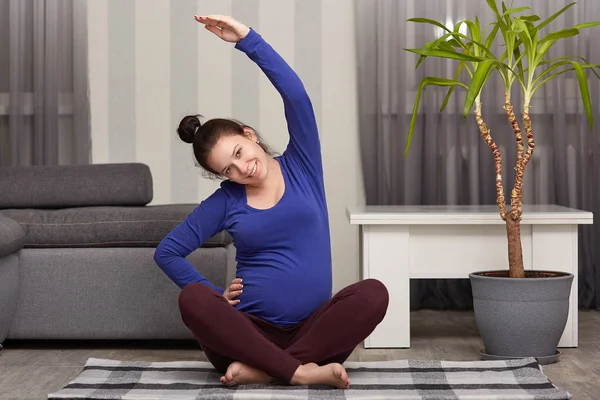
[{"x": 31, "y": 370}]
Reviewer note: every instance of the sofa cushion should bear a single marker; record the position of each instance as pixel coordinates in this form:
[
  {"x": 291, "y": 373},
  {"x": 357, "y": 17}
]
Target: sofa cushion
[
  {"x": 62, "y": 186},
  {"x": 12, "y": 236},
  {"x": 104, "y": 226}
]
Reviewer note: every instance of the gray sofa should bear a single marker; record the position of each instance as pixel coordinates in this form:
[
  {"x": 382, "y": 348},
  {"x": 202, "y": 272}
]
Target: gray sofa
[{"x": 76, "y": 255}]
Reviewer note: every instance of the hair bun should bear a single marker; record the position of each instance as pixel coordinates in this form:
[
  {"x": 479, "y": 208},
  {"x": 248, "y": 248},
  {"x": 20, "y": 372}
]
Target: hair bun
[{"x": 188, "y": 127}]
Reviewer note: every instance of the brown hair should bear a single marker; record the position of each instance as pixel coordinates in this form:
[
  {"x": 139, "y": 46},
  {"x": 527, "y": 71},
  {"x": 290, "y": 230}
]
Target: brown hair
[{"x": 204, "y": 136}]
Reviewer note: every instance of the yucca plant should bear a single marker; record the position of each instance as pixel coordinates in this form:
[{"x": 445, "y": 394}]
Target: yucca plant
[{"x": 523, "y": 62}]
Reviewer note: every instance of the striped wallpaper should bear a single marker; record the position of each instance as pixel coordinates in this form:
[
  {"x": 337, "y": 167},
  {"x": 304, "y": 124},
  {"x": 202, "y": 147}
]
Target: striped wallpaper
[{"x": 150, "y": 64}]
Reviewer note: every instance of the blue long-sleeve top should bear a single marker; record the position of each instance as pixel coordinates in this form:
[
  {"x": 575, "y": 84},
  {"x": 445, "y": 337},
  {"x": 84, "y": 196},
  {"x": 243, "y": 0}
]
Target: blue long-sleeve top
[{"x": 284, "y": 252}]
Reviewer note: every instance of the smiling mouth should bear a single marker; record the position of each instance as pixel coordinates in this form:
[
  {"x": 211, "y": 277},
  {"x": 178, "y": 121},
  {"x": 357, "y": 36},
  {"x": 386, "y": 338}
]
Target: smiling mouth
[{"x": 253, "y": 170}]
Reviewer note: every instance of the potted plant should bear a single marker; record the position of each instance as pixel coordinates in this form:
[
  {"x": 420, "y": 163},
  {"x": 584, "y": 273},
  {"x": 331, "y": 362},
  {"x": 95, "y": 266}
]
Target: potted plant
[{"x": 519, "y": 313}]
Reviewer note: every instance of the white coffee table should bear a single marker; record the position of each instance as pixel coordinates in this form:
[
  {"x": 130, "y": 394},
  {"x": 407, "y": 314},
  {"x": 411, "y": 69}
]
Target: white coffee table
[{"x": 399, "y": 243}]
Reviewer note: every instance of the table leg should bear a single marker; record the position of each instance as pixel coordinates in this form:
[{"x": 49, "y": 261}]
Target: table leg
[
  {"x": 386, "y": 258},
  {"x": 555, "y": 248}
]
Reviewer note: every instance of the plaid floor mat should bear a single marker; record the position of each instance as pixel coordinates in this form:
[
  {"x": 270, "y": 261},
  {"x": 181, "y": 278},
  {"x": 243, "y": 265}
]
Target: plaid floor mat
[{"x": 403, "y": 379}]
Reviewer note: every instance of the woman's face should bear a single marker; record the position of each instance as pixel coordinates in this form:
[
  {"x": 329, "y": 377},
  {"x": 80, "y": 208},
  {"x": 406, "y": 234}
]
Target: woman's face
[{"x": 239, "y": 158}]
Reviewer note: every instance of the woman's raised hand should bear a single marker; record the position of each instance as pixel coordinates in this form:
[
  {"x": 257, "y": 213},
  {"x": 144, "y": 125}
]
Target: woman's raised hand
[{"x": 224, "y": 27}]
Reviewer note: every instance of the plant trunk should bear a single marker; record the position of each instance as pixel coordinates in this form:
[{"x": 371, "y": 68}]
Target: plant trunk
[
  {"x": 516, "y": 198},
  {"x": 487, "y": 137},
  {"x": 513, "y": 218},
  {"x": 515, "y": 250},
  {"x": 529, "y": 132}
]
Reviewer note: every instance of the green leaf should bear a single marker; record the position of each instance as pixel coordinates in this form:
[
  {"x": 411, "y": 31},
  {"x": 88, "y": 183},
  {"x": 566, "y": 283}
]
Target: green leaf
[
  {"x": 585, "y": 92},
  {"x": 444, "y": 38},
  {"x": 429, "y": 21},
  {"x": 445, "y": 46},
  {"x": 494, "y": 7},
  {"x": 470, "y": 41},
  {"x": 455, "y": 43},
  {"x": 554, "y": 16},
  {"x": 563, "y": 33},
  {"x": 542, "y": 50},
  {"x": 421, "y": 59},
  {"x": 531, "y": 18},
  {"x": 503, "y": 69},
  {"x": 466, "y": 66},
  {"x": 562, "y": 58},
  {"x": 519, "y": 56},
  {"x": 577, "y": 57},
  {"x": 492, "y": 36},
  {"x": 587, "y": 25},
  {"x": 521, "y": 27},
  {"x": 475, "y": 33},
  {"x": 583, "y": 85},
  {"x": 451, "y": 88},
  {"x": 479, "y": 78},
  {"x": 550, "y": 69},
  {"x": 523, "y": 31},
  {"x": 530, "y": 27},
  {"x": 480, "y": 46},
  {"x": 519, "y": 62},
  {"x": 509, "y": 41},
  {"x": 437, "y": 42},
  {"x": 541, "y": 83},
  {"x": 430, "y": 80},
  {"x": 516, "y": 73},
  {"x": 504, "y": 14},
  {"x": 429, "y": 45},
  {"x": 515, "y": 10},
  {"x": 445, "y": 54}
]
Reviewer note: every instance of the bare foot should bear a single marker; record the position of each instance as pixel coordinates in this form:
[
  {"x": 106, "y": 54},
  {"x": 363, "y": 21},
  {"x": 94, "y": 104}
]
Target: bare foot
[
  {"x": 332, "y": 374},
  {"x": 239, "y": 374}
]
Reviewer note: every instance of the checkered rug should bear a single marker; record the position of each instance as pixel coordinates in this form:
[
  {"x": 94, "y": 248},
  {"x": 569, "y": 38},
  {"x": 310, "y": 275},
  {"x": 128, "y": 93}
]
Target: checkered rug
[{"x": 403, "y": 379}]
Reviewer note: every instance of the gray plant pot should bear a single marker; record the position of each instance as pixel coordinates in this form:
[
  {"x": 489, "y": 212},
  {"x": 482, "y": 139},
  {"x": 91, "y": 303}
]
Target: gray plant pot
[{"x": 521, "y": 317}]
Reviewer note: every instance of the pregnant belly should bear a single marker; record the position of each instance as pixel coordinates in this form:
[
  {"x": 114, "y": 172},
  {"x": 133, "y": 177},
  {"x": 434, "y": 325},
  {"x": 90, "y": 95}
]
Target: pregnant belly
[{"x": 282, "y": 302}]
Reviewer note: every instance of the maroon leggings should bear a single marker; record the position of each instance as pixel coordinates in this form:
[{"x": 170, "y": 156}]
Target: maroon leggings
[{"x": 330, "y": 334}]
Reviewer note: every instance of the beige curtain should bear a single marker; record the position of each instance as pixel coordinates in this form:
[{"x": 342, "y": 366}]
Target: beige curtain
[{"x": 44, "y": 107}]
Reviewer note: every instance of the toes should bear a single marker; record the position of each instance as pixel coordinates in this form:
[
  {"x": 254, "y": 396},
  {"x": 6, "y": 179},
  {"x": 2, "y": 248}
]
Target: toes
[{"x": 345, "y": 383}]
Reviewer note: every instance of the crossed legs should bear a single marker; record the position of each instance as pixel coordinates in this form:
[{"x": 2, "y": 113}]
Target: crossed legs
[{"x": 311, "y": 352}]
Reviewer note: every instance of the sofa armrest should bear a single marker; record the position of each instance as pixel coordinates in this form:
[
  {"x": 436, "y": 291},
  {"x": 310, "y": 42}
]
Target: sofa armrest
[
  {"x": 12, "y": 236},
  {"x": 64, "y": 186}
]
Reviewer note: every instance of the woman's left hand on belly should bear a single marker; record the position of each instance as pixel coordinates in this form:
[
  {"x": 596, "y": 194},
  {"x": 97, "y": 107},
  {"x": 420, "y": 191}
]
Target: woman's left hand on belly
[{"x": 233, "y": 291}]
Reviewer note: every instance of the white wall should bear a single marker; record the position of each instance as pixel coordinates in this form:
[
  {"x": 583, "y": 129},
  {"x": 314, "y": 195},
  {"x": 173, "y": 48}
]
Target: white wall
[{"x": 150, "y": 63}]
